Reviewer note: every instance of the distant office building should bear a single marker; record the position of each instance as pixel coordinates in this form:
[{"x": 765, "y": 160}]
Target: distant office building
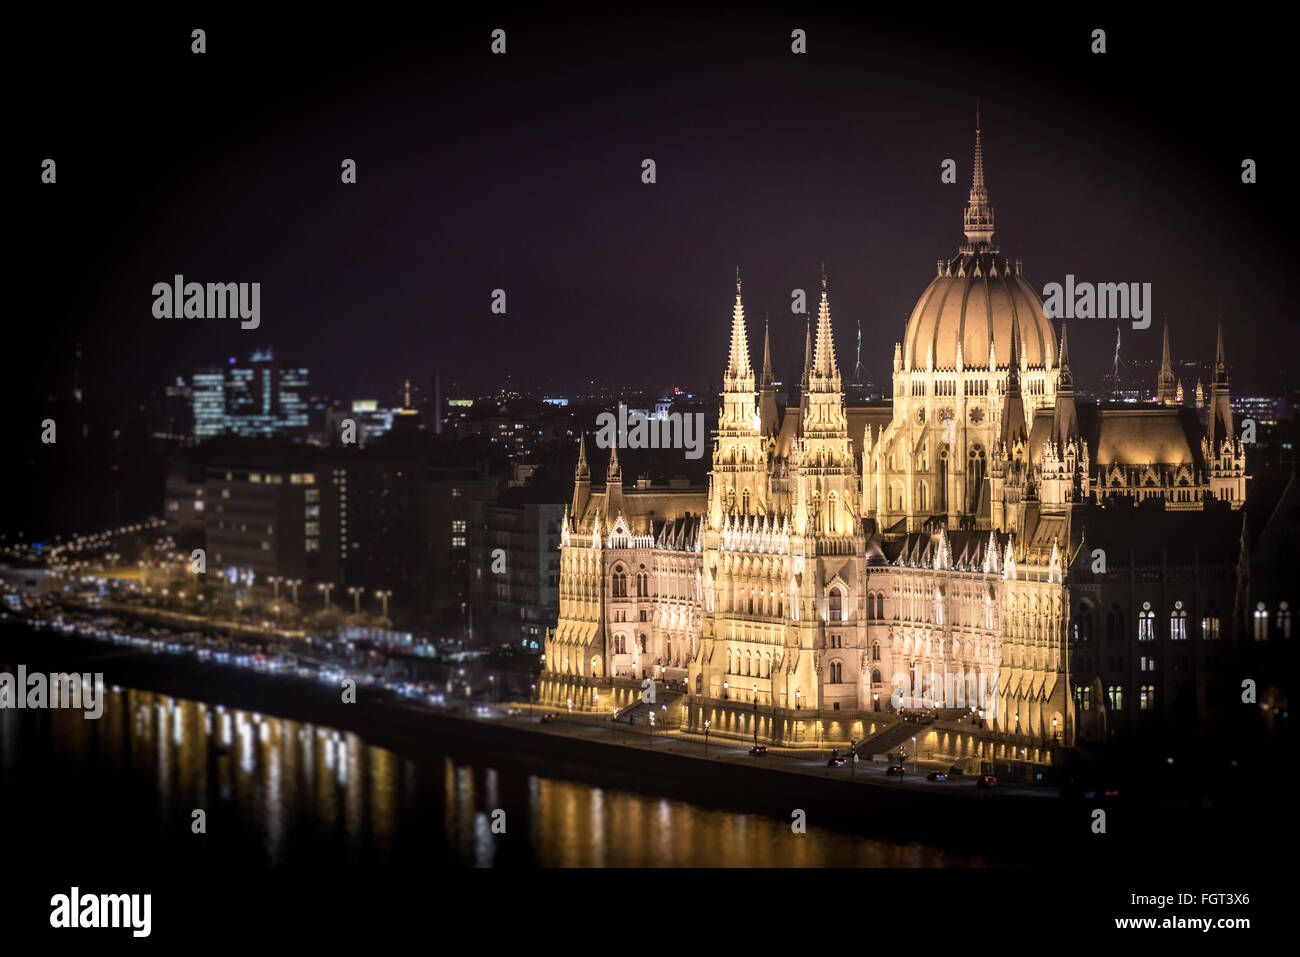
[
  {"x": 515, "y": 570},
  {"x": 253, "y": 398}
]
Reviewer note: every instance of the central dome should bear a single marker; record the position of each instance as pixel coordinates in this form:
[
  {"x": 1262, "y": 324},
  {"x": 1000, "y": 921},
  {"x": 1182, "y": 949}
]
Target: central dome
[
  {"x": 973, "y": 300},
  {"x": 976, "y": 298}
]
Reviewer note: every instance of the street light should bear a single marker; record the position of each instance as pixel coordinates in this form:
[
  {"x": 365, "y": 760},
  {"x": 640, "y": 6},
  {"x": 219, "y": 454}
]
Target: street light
[
  {"x": 706, "y": 737},
  {"x": 325, "y": 587},
  {"x": 755, "y": 694},
  {"x": 356, "y": 592},
  {"x": 916, "y": 767},
  {"x": 383, "y": 597}
]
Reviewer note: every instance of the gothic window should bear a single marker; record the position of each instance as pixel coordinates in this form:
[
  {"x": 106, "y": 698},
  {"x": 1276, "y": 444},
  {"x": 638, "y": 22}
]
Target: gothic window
[
  {"x": 871, "y": 606},
  {"x": 731, "y": 500},
  {"x": 1178, "y": 623},
  {"x": 1083, "y": 623},
  {"x": 751, "y": 603},
  {"x": 836, "y": 606},
  {"x": 837, "y": 672},
  {"x": 1115, "y": 696},
  {"x": 832, "y": 512},
  {"x": 643, "y": 644},
  {"x": 744, "y": 502},
  {"x": 875, "y": 676},
  {"x": 1210, "y": 627},
  {"x": 1284, "y": 619},
  {"x": 1147, "y": 698},
  {"x": 920, "y": 497},
  {"x": 1114, "y": 624},
  {"x": 880, "y": 607},
  {"x": 875, "y": 651},
  {"x": 941, "y": 482},
  {"x": 747, "y": 661},
  {"x": 1146, "y": 623},
  {"x": 728, "y": 661},
  {"x": 1261, "y": 622}
]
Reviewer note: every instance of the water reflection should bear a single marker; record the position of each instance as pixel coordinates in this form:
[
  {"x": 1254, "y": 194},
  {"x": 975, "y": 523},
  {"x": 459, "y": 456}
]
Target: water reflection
[{"x": 279, "y": 792}]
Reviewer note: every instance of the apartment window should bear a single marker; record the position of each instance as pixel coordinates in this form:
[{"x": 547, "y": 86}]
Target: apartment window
[
  {"x": 458, "y": 525},
  {"x": 1148, "y": 664},
  {"x": 1210, "y": 627},
  {"x": 1115, "y": 696},
  {"x": 1147, "y": 697}
]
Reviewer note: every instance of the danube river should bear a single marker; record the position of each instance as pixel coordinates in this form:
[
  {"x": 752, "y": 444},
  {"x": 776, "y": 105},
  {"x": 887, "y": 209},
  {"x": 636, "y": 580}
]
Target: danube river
[{"x": 275, "y": 792}]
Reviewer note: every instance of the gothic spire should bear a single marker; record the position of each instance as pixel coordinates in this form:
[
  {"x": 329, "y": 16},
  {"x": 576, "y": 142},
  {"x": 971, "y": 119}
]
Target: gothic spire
[
  {"x": 1165, "y": 384},
  {"x": 767, "y": 380},
  {"x": 824, "y": 355},
  {"x": 978, "y": 219},
  {"x": 583, "y": 472},
  {"x": 807, "y": 357},
  {"x": 738, "y": 361},
  {"x": 1066, "y": 379}
]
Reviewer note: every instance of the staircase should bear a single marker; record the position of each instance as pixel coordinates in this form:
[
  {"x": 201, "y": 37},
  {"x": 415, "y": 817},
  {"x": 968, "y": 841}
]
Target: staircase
[
  {"x": 667, "y": 713},
  {"x": 888, "y": 740}
]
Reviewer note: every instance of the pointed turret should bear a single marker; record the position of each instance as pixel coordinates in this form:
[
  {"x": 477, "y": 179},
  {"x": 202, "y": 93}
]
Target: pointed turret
[
  {"x": 613, "y": 485},
  {"x": 738, "y": 366},
  {"x": 768, "y": 418},
  {"x": 581, "y": 480},
  {"x": 824, "y": 366},
  {"x": 1219, "y": 424},
  {"x": 1065, "y": 418},
  {"x": 1013, "y": 406},
  {"x": 1165, "y": 383},
  {"x": 807, "y": 357}
]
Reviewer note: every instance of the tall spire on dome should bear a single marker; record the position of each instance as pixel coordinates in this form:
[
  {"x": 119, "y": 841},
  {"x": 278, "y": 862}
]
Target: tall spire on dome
[
  {"x": 1065, "y": 418},
  {"x": 978, "y": 219}
]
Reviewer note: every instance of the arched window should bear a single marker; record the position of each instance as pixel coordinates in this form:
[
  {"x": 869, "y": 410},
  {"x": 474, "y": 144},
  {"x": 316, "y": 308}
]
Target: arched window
[
  {"x": 975, "y": 465},
  {"x": 832, "y": 512},
  {"x": 1177, "y": 623},
  {"x": 744, "y": 502},
  {"x": 875, "y": 651},
  {"x": 875, "y": 676},
  {"x": 837, "y": 672},
  {"x": 1284, "y": 619},
  {"x": 836, "y": 606},
  {"x": 880, "y": 607},
  {"x": 1146, "y": 623},
  {"x": 920, "y": 497},
  {"x": 1147, "y": 698},
  {"x": 1083, "y": 623},
  {"x": 731, "y": 500},
  {"x": 1114, "y": 624},
  {"x": 643, "y": 644},
  {"x": 1115, "y": 696}
]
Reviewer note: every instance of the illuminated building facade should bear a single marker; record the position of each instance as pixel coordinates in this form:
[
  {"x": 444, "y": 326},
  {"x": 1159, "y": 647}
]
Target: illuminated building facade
[{"x": 848, "y": 563}]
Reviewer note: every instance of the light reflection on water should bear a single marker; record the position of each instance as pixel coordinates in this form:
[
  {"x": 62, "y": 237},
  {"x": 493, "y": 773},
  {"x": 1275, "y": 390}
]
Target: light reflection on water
[{"x": 296, "y": 793}]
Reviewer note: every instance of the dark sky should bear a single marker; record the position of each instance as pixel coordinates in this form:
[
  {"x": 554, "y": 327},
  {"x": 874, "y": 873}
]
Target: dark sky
[{"x": 523, "y": 172}]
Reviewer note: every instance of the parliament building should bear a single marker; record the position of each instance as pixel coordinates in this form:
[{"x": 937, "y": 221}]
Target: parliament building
[{"x": 941, "y": 556}]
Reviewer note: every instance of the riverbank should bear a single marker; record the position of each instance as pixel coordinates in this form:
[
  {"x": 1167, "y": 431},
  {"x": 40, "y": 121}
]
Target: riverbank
[{"x": 1009, "y": 827}]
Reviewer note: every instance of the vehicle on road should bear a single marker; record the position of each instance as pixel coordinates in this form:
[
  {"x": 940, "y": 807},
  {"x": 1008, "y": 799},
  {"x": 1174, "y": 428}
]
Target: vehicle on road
[
  {"x": 937, "y": 776},
  {"x": 758, "y": 750},
  {"x": 837, "y": 761},
  {"x": 549, "y": 717},
  {"x": 895, "y": 769},
  {"x": 985, "y": 781}
]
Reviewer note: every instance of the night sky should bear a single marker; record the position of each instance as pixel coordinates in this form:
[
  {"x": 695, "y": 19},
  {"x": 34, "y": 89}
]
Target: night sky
[{"x": 523, "y": 172}]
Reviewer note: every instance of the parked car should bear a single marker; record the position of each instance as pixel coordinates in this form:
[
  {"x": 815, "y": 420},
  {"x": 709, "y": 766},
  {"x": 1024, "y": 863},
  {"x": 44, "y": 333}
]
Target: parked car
[
  {"x": 758, "y": 750},
  {"x": 937, "y": 776},
  {"x": 837, "y": 761},
  {"x": 985, "y": 781},
  {"x": 895, "y": 769}
]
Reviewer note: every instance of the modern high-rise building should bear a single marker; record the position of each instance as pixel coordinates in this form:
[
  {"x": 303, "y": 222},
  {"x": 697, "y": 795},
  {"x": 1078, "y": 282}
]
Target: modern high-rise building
[{"x": 254, "y": 398}]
